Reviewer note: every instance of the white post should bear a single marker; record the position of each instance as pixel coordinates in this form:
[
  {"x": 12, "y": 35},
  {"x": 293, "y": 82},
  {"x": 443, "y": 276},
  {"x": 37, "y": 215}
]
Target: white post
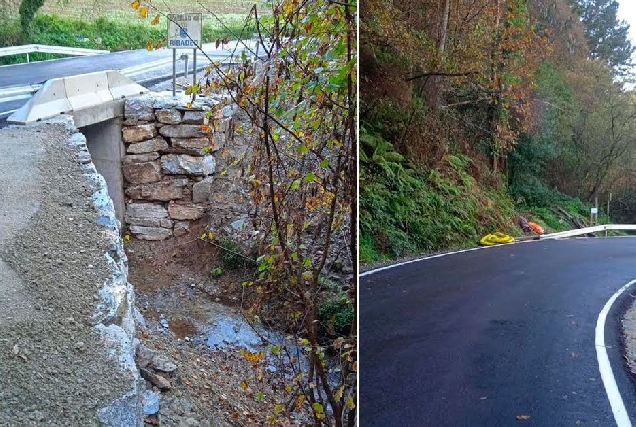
[
  {"x": 194, "y": 72},
  {"x": 174, "y": 72}
]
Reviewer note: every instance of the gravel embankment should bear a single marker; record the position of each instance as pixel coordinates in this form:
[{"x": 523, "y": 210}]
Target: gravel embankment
[{"x": 54, "y": 367}]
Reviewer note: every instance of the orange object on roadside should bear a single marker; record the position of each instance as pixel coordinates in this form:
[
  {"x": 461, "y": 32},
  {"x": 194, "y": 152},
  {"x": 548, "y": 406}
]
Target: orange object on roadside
[{"x": 536, "y": 228}]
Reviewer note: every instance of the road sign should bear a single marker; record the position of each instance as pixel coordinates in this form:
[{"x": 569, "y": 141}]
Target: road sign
[
  {"x": 185, "y": 30},
  {"x": 594, "y": 211}
]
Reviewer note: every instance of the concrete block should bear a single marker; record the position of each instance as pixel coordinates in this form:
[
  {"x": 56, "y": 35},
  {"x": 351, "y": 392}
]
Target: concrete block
[
  {"x": 87, "y": 90},
  {"x": 48, "y": 101},
  {"x": 75, "y": 93},
  {"x": 121, "y": 86}
]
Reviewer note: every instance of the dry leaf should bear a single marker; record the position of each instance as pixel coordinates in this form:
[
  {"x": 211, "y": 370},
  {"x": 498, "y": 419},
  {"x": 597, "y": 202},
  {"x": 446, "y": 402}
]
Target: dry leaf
[{"x": 155, "y": 20}]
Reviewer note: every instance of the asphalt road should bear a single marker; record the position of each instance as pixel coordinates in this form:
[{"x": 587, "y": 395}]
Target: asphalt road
[
  {"x": 479, "y": 338},
  {"x": 39, "y": 72}
]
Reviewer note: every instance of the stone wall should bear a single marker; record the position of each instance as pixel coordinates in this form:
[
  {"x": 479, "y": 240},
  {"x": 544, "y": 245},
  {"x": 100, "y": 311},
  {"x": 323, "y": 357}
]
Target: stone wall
[{"x": 170, "y": 162}]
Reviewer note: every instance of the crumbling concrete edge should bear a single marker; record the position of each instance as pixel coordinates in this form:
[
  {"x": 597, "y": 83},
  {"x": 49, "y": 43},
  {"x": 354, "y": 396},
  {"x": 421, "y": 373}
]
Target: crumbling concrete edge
[{"x": 115, "y": 313}]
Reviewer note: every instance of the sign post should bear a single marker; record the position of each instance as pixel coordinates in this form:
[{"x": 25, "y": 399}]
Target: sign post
[
  {"x": 185, "y": 31},
  {"x": 593, "y": 216}
]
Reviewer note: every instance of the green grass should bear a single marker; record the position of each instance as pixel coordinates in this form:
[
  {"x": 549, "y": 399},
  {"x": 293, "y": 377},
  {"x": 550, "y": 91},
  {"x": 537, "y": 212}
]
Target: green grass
[
  {"x": 120, "y": 9},
  {"x": 114, "y": 35}
]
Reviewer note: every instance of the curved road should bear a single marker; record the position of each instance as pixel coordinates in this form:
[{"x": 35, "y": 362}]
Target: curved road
[
  {"x": 481, "y": 337},
  {"x": 39, "y": 72}
]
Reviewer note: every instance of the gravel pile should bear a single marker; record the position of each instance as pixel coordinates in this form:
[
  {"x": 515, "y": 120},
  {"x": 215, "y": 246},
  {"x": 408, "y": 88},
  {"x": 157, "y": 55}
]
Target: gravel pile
[{"x": 54, "y": 369}]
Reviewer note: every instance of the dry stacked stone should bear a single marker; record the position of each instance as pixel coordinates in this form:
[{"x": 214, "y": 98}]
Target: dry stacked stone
[{"x": 168, "y": 174}]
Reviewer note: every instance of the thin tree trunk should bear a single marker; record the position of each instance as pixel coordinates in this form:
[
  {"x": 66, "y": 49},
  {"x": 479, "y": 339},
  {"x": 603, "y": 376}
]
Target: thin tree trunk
[
  {"x": 495, "y": 69},
  {"x": 435, "y": 88}
]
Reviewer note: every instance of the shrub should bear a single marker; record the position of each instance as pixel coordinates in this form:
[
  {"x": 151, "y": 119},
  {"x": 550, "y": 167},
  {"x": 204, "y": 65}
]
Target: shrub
[{"x": 336, "y": 315}]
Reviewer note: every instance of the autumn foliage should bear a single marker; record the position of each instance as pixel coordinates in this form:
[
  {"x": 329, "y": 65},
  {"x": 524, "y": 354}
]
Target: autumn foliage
[
  {"x": 298, "y": 92},
  {"x": 531, "y": 94}
]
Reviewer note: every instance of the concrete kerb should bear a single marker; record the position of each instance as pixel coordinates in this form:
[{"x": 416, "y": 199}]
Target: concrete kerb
[
  {"x": 75, "y": 93},
  {"x": 115, "y": 313}
]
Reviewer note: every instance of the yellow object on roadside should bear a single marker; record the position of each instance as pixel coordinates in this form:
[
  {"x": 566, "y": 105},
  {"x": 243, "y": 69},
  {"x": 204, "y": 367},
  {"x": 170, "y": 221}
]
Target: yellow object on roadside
[{"x": 495, "y": 239}]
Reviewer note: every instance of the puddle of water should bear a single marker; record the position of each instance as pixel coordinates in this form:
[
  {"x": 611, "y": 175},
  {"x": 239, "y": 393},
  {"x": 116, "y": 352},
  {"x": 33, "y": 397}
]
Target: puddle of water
[{"x": 228, "y": 328}]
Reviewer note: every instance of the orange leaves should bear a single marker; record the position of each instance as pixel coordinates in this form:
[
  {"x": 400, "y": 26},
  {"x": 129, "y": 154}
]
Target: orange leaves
[
  {"x": 155, "y": 20},
  {"x": 220, "y": 42},
  {"x": 299, "y": 401},
  {"x": 135, "y": 4},
  {"x": 254, "y": 358},
  {"x": 152, "y": 46},
  {"x": 143, "y": 11}
]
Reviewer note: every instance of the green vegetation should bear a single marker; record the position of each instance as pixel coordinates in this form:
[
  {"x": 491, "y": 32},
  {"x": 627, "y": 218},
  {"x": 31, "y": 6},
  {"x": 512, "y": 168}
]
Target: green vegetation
[
  {"x": 519, "y": 111},
  {"x": 102, "y": 33},
  {"x": 337, "y": 316},
  {"x": 406, "y": 210},
  {"x": 232, "y": 257}
]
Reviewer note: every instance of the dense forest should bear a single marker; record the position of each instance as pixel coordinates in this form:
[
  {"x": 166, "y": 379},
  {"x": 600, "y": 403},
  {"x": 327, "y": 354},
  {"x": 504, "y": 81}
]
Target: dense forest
[{"x": 473, "y": 112}]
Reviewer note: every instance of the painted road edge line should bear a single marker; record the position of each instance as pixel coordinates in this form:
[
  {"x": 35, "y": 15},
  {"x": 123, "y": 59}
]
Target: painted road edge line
[
  {"x": 607, "y": 375},
  {"x": 388, "y": 267}
]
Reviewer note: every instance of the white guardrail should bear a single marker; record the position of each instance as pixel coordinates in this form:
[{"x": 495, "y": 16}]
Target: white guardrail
[
  {"x": 61, "y": 50},
  {"x": 587, "y": 230},
  {"x": 15, "y": 93}
]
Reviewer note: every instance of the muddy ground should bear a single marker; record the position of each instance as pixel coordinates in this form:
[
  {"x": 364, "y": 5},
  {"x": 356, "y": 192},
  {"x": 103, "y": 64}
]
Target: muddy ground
[{"x": 182, "y": 301}]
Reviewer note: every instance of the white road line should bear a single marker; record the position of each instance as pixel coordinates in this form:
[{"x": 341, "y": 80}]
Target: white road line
[
  {"x": 388, "y": 267},
  {"x": 616, "y": 401},
  {"x": 6, "y": 113}
]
